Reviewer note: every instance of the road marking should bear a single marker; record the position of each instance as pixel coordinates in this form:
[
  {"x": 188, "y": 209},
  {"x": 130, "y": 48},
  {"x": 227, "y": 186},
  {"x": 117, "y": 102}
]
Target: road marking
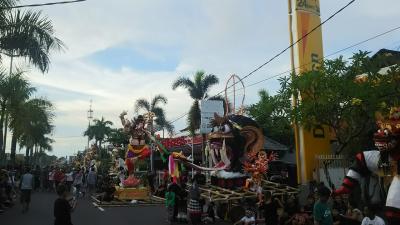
[{"x": 97, "y": 206}]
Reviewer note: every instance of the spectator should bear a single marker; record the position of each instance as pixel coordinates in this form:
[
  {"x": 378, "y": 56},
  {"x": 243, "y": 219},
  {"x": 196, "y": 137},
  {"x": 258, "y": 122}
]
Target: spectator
[
  {"x": 309, "y": 207},
  {"x": 170, "y": 203},
  {"x": 78, "y": 183},
  {"x": 69, "y": 179},
  {"x": 174, "y": 187},
  {"x": 44, "y": 177},
  {"x": 339, "y": 204},
  {"x": 63, "y": 207},
  {"x": 26, "y": 185},
  {"x": 371, "y": 217},
  {"x": 36, "y": 175},
  {"x": 357, "y": 215},
  {"x": 301, "y": 218},
  {"x": 59, "y": 177},
  {"x": 291, "y": 205},
  {"x": 270, "y": 207},
  {"x": 248, "y": 219},
  {"x": 51, "y": 179},
  {"x": 210, "y": 218},
  {"x": 337, "y": 217},
  {"x": 322, "y": 213},
  {"x": 194, "y": 208},
  {"x": 91, "y": 180}
]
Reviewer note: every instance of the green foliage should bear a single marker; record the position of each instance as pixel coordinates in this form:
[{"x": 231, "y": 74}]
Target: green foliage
[
  {"x": 99, "y": 131},
  {"x": 118, "y": 137},
  {"x": 198, "y": 90},
  {"x": 160, "y": 121},
  {"x": 333, "y": 96},
  {"x": 272, "y": 113}
]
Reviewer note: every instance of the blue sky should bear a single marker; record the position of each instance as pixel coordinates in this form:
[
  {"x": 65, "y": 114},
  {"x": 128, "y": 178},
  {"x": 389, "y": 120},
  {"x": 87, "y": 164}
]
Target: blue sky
[{"x": 119, "y": 51}]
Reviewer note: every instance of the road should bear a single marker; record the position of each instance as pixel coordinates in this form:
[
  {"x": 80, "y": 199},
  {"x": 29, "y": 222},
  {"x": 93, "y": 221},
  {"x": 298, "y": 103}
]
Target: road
[{"x": 41, "y": 213}]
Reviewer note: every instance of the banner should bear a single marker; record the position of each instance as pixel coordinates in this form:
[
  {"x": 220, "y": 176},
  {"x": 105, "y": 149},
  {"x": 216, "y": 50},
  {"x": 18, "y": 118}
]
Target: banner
[
  {"x": 208, "y": 108},
  {"x": 307, "y": 55}
]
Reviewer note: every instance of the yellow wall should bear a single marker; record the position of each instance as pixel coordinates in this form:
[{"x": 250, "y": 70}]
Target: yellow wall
[{"x": 307, "y": 54}]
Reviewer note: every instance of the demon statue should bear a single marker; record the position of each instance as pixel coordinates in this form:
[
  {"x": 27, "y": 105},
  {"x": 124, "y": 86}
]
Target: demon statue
[
  {"x": 137, "y": 147},
  {"x": 234, "y": 144},
  {"x": 384, "y": 161}
]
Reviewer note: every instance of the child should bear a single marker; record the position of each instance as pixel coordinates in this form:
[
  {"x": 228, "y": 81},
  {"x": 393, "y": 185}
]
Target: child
[
  {"x": 63, "y": 207},
  {"x": 248, "y": 219},
  {"x": 370, "y": 216}
]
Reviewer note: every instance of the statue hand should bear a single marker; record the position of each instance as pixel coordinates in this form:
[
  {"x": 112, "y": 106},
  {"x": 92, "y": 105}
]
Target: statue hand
[{"x": 124, "y": 113}]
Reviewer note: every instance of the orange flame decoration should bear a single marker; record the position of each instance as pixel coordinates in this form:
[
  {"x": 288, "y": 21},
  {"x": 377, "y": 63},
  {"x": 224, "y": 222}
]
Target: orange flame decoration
[{"x": 260, "y": 165}]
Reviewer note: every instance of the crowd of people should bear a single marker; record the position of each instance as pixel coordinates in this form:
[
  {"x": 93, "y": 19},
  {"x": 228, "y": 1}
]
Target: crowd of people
[
  {"x": 20, "y": 182},
  {"x": 320, "y": 208}
]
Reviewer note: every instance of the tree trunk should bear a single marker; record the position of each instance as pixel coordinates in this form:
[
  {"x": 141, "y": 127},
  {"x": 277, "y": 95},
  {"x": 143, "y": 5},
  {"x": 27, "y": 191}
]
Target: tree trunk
[
  {"x": 5, "y": 133},
  {"x": 13, "y": 148},
  {"x": 27, "y": 156},
  {"x": 3, "y": 110}
]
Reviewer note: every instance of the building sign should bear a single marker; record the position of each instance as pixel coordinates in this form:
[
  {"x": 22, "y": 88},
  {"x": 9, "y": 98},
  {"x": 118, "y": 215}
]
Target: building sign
[
  {"x": 208, "y": 108},
  {"x": 311, "y": 6}
]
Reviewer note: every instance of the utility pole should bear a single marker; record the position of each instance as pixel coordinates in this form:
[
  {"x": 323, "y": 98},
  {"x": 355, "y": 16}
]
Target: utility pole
[{"x": 89, "y": 117}]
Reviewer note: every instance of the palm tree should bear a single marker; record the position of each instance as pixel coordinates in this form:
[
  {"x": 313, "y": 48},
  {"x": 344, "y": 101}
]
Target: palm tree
[
  {"x": 28, "y": 35},
  {"x": 160, "y": 120},
  {"x": 198, "y": 90},
  {"x": 99, "y": 131},
  {"x": 31, "y": 129},
  {"x": 15, "y": 90}
]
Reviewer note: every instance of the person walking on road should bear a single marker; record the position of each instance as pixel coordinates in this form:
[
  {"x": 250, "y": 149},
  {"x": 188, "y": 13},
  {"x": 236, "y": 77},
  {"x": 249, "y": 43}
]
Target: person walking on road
[
  {"x": 78, "y": 183},
  {"x": 63, "y": 206},
  {"x": 91, "y": 180},
  {"x": 26, "y": 186}
]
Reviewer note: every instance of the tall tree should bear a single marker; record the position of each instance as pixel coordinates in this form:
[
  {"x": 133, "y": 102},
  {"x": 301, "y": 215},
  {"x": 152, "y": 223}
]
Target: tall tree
[
  {"x": 29, "y": 35},
  {"x": 198, "y": 90},
  {"x": 273, "y": 114},
  {"x": 17, "y": 90},
  {"x": 99, "y": 131},
  {"x": 154, "y": 106},
  {"x": 333, "y": 96},
  {"x": 32, "y": 129}
]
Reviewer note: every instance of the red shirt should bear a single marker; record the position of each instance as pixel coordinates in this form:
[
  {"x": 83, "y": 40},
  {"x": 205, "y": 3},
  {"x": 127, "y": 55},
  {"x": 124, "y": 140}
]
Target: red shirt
[{"x": 59, "y": 176}]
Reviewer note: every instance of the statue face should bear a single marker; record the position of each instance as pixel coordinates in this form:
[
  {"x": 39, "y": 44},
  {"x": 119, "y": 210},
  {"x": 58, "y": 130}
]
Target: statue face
[{"x": 385, "y": 140}]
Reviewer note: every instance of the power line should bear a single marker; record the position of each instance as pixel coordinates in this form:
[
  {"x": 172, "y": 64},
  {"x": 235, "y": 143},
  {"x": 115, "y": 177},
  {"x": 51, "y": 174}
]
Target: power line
[
  {"x": 329, "y": 55},
  {"x": 293, "y": 44},
  {"x": 42, "y": 4},
  {"x": 281, "y": 52}
]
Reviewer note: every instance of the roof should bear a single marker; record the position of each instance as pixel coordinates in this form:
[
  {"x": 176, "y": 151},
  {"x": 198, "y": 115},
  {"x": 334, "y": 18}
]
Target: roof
[
  {"x": 389, "y": 57},
  {"x": 272, "y": 145}
]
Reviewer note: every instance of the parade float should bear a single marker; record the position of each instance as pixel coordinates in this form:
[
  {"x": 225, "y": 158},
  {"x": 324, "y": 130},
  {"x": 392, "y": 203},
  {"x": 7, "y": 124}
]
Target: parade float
[
  {"x": 138, "y": 150},
  {"x": 383, "y": 163}
]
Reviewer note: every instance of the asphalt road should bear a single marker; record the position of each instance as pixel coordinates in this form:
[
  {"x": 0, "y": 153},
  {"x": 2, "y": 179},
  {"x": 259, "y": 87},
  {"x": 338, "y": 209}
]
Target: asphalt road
[{"x": 41, "y": 213}]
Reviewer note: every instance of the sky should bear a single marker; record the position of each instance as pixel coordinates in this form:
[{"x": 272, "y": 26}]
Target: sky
[{"x": 121, "y": 50}]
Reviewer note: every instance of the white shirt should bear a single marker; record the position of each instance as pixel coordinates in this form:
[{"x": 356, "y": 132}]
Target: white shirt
[
  {"x": 69, "y": 176},
  {"x": 248, "y": 220},
  {"x": 376, "y": 221}
]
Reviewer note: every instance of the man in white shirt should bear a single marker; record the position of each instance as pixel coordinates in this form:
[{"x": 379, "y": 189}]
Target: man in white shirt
[
  {"x": 26, "y": 186},
  {"x": 371, "y": 217}
]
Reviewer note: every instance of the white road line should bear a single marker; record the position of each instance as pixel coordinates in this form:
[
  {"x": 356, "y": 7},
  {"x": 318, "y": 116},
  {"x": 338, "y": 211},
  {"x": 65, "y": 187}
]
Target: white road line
[{"x": 98, "y": 207}]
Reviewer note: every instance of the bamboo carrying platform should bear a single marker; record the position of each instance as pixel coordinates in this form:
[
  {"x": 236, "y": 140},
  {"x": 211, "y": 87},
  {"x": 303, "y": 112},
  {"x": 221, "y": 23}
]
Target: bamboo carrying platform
[{"x": 218, "y": 194}]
